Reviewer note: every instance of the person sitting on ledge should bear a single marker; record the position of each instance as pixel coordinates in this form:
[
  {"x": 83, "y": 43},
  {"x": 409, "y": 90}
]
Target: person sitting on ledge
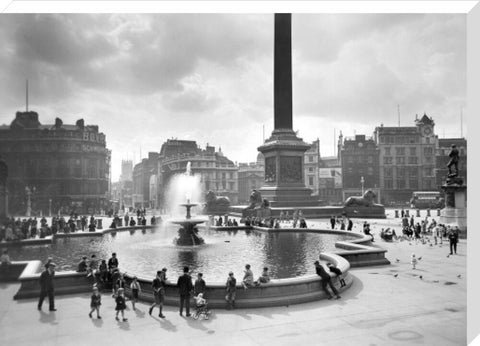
[
  {"x": 247, "y": 277},
  {"x": 326, "y": 280},
  {"x": 82, "y": 265},
  {"x": 264, "y": 278},
  {"x": 303, "y": 223},
  {"x": 132, "y": 222},
  {"x": 91, "y": 227},
  {"x": 113, "y": 225},
  {"x": 235, "y": 223}
]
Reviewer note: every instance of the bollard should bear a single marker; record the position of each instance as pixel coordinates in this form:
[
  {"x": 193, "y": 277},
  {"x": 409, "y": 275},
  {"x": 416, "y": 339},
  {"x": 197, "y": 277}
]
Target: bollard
[
  {"x": 428, "y": 212},
  {"x": 438, "y": 212},
  {"x": 396, "y": 214},
  {"x": 407, "y": 213},
  {"x": 99, "y": 223},
  {"x": 418, "y": 212}
]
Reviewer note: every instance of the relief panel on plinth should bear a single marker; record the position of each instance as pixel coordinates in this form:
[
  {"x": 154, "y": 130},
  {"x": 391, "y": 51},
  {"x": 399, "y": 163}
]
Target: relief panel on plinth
[
  {"x": 270, "y": 169},
  {"x": 290, "y": 169}
]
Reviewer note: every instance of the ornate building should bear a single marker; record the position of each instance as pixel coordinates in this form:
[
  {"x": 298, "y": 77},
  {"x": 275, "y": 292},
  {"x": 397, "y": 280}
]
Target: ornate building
[
  {"x": 312, "y": 161},
  {"x": 55, "y": 168},
  {"x": 217, "y": 172},
  {"x": 407, "y": 159},
  {"x": 142, "y": 176},
  {"x": 360, "y": 166}
]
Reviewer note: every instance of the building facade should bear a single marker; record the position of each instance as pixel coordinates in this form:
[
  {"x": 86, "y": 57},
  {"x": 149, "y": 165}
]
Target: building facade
[
  {"x": 442, "y": 158},
  {"x": 311, "y": 166},
  {"x": 330, "y": 180},
  {"x": 360, "y": 165},
  {"x": 406, "y": 160},
  {"x": 55, "y": 168},
  {"x": 250, "y": 176},
  {"x": 141, "y": 178},
  {"x": 217, "y": 172}
]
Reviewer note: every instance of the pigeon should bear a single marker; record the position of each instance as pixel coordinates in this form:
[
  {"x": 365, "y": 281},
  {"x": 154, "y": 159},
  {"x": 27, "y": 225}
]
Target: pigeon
[
  {"x": 395, "y": 275},
  {"x": 448, "y": 256},
  {"x": 397, "y": 260},
  {"x": 431, "y": 244},
  {"x": 421, "y": 277},
  {"x": 459, "y": 276},
  {"x": 420, "y": 258}
]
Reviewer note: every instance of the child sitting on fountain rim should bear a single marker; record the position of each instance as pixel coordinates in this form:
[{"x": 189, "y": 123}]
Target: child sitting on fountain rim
[{"x": 248, "y": 277}]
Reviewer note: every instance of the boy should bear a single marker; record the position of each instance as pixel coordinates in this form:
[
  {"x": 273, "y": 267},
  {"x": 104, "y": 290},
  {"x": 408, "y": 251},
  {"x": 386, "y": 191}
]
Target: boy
[
  {"x": 338, "y": 272},
  {"x": 231, "y": 287}
]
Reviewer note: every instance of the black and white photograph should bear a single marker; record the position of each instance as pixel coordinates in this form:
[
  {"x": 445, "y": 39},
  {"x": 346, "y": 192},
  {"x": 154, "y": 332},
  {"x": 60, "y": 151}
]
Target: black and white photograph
[{"x": 261, "y": 175}]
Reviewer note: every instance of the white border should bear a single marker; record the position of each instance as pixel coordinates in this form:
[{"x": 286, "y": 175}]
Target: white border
[{"x": 20, "y": 6}]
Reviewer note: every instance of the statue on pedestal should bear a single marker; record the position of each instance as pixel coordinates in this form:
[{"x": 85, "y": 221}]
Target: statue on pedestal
[
  {"x": 454, "y": 156},
  {"x": 367, "y": 200}
]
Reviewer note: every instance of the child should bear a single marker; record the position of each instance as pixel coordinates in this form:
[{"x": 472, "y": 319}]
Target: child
[
  {"x": 95, "y": 302},
  {"x": 121, "y": 306},
  {"x": 264, "y": 278},
  {"x": 248, "y": 277},
  {"x": 201, "y": 306},
  {"x": 199, "y": 286},
  {"x": 135, "y": 287},
  {"x": 338, "y": 272},
  {"x": 413, "y": 261}
]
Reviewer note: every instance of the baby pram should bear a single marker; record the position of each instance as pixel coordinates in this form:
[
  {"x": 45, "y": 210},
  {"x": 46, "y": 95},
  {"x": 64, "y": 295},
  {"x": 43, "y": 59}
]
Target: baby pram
[{"x": 201, "y": 309}]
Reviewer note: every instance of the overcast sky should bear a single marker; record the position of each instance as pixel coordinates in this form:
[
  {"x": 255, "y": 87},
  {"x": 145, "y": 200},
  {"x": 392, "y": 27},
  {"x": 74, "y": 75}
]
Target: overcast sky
[{"x": 146, "y": 78}]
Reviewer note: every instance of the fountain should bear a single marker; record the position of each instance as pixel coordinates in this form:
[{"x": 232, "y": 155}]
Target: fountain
[{"x": 185, "y": 186}]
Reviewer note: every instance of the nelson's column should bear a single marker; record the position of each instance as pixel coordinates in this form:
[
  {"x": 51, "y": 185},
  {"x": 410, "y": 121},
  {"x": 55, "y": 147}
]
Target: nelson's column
[{"x": 284, "y": 151}]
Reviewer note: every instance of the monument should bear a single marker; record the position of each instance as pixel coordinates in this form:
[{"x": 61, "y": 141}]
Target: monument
[
  {"x": 284, "y": 188},
  {"x": 284, "y": 151},
  {"x": 455, "y": 211}
]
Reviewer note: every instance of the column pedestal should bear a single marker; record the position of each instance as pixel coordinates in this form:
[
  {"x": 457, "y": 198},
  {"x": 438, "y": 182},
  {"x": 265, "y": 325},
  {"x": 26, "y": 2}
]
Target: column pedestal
[{"x": 455, "y": 211}]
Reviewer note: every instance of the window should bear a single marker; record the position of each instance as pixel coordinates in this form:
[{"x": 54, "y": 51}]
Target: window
[
  {"x": 231, "y": 186},
  {"x": 413, "y": 160},
  {"x": 387, "y": 160},
  {"x": 388, "y": 172},
  {"x": 401, "y": 172},
  {"x": 428, "y": 172},
  {"x": 370, "y": 170},
  {"x": 310, "y": 169},
  {"x": 400, "y": 151},
  {"x": 387, "y": 151},
  {"x": 370, "y": 159},
  {"x": 389, "y": 139},
  {"x": 310, "y": 180},
  {"x": 400, "y": 160},
  {"x": 388, "y": 183},
  {"x": 413, "y": 151},
  {"x": 413, "y": 184},
  {"x": 400, "y": 184},
  {"x": 413, "y": 172},
  {"x": 428, "y": 151},
  {"x": 310, "y": 158},
  {"x": 428, "y": 159}
]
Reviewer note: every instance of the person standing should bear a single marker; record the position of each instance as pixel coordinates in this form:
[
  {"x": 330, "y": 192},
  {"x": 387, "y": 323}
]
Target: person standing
[
  {"x": 95, "y": 302},
  {"x": 199, "y": 286},
  {"x": 350, "y": 225},
  {"x": 185, "y": 287},
  {"x": 326, "y": 280},
  {"x": 120, "y": 304},
  {"x": 135, "y": 287},
  {"x": 231, "y": 287},
  {"x": 453, "y": 238},
  {"x": 47, "y": 287},
  {"x": 158, "y": 285},
  {"x": 332, "y": 222}
]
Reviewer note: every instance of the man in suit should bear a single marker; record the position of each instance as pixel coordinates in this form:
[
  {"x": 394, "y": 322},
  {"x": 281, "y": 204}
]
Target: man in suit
[
  {"x": 47, "y": 287},
  {"x": 185, "y": 288}
]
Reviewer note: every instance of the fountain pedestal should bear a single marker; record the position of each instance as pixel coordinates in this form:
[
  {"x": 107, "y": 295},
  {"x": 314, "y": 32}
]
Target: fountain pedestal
[{"x": 188, "y": 233}]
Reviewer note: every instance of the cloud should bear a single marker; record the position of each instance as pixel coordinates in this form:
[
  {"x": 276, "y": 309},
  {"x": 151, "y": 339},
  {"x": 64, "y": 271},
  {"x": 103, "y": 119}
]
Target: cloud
[{"x": 209, "y": 77}]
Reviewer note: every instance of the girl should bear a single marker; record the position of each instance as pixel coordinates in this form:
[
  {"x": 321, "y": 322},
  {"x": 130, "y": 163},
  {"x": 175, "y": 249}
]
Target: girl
[
  {"x": 135, "y": 287},
  {"x": 121, "y": 306},
  {"x": 95, "y": 302},
  {"x": 413, "y": 261}
]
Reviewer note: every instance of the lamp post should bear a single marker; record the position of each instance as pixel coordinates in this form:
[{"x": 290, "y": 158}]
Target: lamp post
[
  {"x": 50, "y": 207},
  {"x": 29, "y": 191},
  {"x": 362, "y": 181}
]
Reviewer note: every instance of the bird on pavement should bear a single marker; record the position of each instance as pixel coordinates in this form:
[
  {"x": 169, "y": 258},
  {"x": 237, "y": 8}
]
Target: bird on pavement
[
  {"x": 448, "y": 256},
  {"x": 395, "y": 275},
  {"x": 421, "y": 277},
  {"x": 459, "y": 276},
  {"x": 397, "y": 260},
  {"x": 420, "y": 258}
]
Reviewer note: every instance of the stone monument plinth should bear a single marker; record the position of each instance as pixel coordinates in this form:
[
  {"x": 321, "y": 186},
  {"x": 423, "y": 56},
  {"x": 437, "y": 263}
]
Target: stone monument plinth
[{"x": 455, "y": 211}]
